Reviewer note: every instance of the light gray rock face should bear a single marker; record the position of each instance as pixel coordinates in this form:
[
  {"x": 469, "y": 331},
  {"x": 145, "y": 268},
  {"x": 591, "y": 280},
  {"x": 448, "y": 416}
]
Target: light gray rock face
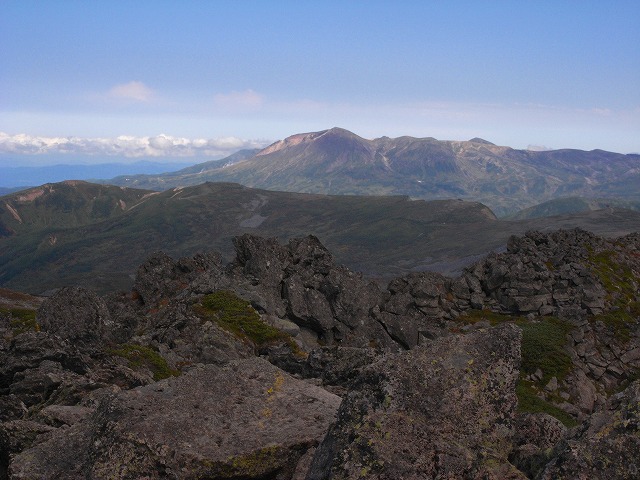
[
  {"x": 442, "y": 410},
  {"x": 607, "y": 446},
  {"x": 247, "y": 419}
]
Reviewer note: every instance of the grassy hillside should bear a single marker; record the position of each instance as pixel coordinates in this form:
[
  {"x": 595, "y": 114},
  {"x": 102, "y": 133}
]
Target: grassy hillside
[{"x": 62, "y": 240}]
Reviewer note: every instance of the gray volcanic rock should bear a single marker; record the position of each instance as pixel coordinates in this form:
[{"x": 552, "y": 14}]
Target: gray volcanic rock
[
  {"x": 162, "y": 277},
  {"x": 299, "y": 281},
  {"x": 535, "y": 436},
  {"x": 75, "y": 314},
  {"x": 185, "y": 338},
  {"x": 245, "y": 420},
  {"x": 83, "y": 399},
  {"x": 442, "y": 410},
  {"x": 606, "y": 446},
  {"x": 415, "y": 307}
]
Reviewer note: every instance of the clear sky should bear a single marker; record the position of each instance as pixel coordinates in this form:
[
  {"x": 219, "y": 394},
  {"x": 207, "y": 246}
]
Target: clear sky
[{"x": 213, "y": 76}]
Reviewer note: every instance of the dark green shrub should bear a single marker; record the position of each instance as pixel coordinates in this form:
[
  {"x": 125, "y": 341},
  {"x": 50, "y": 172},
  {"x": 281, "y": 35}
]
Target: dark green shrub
[{"x": 543, "y": 347}]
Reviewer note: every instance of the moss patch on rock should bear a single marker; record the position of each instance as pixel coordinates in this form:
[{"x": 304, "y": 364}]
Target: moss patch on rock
[
  {"x": 141, "y": 356},
  {"x": 543, "y": 347},
  {"x": 619, "y": 282},
  {"x": 21, "y": 320},
  {"x": 237, "y": 316},
  {"x": 530, "y": 402}
]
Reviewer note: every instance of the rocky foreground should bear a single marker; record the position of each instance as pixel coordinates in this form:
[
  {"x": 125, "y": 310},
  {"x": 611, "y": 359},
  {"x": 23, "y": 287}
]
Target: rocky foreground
[{"x": 283, "y": 365}]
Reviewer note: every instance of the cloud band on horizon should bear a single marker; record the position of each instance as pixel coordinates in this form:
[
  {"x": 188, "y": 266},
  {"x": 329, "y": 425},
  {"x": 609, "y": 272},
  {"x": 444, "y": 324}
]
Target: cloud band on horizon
[{"x": 125, "y": 146}]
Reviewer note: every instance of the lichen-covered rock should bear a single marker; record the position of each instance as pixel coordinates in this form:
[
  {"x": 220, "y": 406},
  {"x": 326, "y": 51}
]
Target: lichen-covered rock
[
  {"x": 247, "y": 419},
  {"x": 75, "y": 314},
  {"x": 415, "y": 307},
  {"x": 569, "y": 273},
  {"x": 606, "y": 446},
  {"x": 536, "y": 434},
  {"x": 30, "y": 349},
  {"x": 442, "y": 410},
  {"x": 186, "y": 338}
]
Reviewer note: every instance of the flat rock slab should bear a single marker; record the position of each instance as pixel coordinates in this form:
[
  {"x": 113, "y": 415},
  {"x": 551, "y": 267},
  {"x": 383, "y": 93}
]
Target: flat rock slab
[{"x": 247, "y": 419}]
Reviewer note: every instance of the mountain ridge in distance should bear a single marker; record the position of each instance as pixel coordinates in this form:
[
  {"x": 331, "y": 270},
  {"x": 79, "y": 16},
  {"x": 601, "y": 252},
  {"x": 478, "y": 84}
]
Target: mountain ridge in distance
[{"x": 338, "y": 162}]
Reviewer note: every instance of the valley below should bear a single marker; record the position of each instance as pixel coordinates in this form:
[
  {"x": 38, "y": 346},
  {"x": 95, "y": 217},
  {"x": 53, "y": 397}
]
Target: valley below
[{"x": 78, "y": 233}]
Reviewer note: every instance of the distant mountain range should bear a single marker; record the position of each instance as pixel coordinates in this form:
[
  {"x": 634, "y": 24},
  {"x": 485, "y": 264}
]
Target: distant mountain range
[
  {"x": 79, "y": 233},
  {"x": 337, "y": 161}
]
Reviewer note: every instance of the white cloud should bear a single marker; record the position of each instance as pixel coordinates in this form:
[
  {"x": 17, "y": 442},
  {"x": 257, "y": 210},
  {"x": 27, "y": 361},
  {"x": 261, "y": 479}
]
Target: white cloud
[
  {"x": 244, "y": 99},
  {"x": 538, "y": 148},
  {"x": 134, "y": 90},
  {"x": 125, "y": 146}
]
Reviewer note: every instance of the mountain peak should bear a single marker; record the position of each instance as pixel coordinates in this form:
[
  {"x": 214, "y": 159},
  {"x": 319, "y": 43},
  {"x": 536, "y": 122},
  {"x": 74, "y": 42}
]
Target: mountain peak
[
  {"x": 299, "y": 138},
  {"x": 481, "y": 140}
]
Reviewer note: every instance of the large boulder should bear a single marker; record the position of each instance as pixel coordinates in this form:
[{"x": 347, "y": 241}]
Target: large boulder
[
  {"x": 75, "y": 314},
  {"x": 246, "y": 420},
  {"x": 441, "y": 410}
]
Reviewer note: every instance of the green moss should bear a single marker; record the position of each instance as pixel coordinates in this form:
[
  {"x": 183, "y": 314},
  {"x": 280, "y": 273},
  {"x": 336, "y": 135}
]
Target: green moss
[
  {"x": 618, "y": 281},
  {"x": 529, "y": 402},
  {"x": 21, "y": 320},
  {"x": 238, "y": 317},
  {"x": 140, "y": 356},
  {"x": 616, "y": 278},
  {"x": 543, "y": 347},
  {"x": 485, "y": 315}
]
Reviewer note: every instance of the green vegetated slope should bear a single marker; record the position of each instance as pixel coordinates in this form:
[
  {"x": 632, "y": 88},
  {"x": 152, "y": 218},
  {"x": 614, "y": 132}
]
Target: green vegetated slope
[
  {"x": 65, "y": 204},
  {"x": 571, "y": 205},
  {"x": 104, "y": 253},
  {"x": 52, "y": 246}
]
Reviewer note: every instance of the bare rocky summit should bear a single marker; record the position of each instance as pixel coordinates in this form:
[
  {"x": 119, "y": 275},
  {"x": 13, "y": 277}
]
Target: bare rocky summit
[{"x": 284, "y": 365}]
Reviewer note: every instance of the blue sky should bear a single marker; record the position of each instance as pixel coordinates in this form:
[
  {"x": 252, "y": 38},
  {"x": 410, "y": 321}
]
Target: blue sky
[{"x": 213, "y": 76}]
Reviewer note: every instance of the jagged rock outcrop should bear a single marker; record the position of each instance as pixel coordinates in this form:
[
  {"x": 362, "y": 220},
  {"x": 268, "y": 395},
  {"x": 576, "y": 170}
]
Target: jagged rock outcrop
[
  {"x": 557, "y": 273},
  {"x": 300, "y": 281},
  {"x": 245, "y": 420},
  {"x": 161, "y": 278},
  {"x": 442, "y": 410},
  {"x": 535, "y": 436},
  {"x": 428, "y": 380},
  {"x": 416, "y": 306},
  {"x": 606, "y": 446}
]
